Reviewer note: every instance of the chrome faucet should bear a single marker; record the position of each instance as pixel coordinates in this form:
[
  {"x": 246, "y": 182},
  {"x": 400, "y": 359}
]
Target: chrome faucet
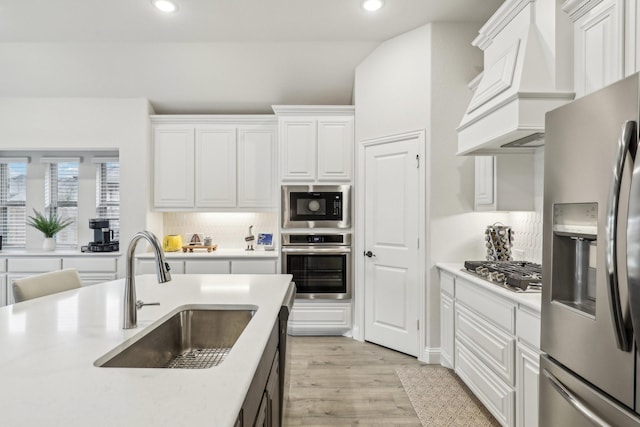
[{"x": 131, "y": 306}]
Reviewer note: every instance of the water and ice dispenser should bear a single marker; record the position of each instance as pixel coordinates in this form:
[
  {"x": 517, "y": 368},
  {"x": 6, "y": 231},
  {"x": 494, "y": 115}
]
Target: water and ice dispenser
[{"x": 575, "y": 245}]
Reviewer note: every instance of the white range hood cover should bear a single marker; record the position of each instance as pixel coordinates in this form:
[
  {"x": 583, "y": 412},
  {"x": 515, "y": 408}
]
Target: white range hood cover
[{"x": 527, "y": 73}]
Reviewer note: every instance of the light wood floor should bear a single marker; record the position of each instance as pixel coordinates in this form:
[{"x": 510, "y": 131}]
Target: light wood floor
[{"x": 338, "y": 381}]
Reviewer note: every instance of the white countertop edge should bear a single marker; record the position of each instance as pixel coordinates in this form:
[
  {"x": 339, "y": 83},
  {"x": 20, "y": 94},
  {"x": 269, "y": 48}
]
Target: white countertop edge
[{"x": 529, "y": 300}]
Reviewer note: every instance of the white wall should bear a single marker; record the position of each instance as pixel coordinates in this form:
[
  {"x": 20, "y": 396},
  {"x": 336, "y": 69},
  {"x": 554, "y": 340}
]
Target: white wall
[
  {"x": 90, "y": 124},
  {"x": 203, "y": 78},
  {"x": 418, "y": 80},
  {"x": 392, "y": 86}
]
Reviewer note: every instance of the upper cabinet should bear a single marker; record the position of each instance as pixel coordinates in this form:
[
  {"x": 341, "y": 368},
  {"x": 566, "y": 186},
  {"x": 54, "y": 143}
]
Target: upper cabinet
[
  {"x": 214, "y": 162},
  {"x": 598, "y": 43},
  {"x": 316, "y": 143}
]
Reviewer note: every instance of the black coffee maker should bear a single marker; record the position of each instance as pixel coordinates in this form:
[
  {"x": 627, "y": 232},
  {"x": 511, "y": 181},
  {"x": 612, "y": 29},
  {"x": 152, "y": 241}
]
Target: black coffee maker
[{"x": 102, "y": 237}]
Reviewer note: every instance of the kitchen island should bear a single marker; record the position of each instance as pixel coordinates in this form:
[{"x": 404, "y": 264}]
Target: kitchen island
[{"x": 49, "y": 346}]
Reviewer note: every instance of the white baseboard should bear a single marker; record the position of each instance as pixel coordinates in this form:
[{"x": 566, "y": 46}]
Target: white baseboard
[{"x": 430, "y": 356}]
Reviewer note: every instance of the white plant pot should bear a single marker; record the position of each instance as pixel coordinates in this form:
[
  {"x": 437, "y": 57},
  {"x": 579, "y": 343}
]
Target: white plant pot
[{"x": 49, "y": 244}]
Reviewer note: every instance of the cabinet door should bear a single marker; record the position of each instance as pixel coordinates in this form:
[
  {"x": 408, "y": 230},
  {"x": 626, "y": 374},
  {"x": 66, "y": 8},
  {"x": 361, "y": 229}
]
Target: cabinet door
[
  {"x": 335, "y": 149},
  {"x": 447, "y": 330},
  {"x": 484, "y": 185},
  {"x": 206, "y": 266},
  {"x": 298, "y": 139},
  {"x": 599, "y": 47},
  {"x": 528, "y": 366},
  {"x": 257, "y": 167},
  {"x": 632, "y": 37},
  {"x": 173, "y": 167},
  {"x": 5, "y": 291},
  {"x": 253, "y": 267},
  {"x": 273, "y": 394},
  {"x": 215, "y": 176}
]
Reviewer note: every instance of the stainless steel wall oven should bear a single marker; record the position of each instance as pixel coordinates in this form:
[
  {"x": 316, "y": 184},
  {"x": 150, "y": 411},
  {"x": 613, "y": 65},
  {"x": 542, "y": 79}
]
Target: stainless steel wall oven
[
  {"x": 320, "y": 264},
  {"x": 316, "y": 206}
]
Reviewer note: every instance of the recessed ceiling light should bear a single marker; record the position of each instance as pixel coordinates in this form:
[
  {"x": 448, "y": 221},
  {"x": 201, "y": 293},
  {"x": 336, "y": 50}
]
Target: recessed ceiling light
[
  {"x": 372, "y": 5},
  {"x": 167, "y": 6}
]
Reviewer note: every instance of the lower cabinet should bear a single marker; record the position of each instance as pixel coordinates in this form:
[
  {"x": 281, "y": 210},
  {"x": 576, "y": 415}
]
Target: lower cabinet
[
  {"x": 314, "y": 317},
  {"x": 492, "y": 342},
  {"x": 92, "y": 270},
  {"x": 263, "y": 405},
  {"x": 211, "y": 266},
  {"x": 528, "y": 367}
]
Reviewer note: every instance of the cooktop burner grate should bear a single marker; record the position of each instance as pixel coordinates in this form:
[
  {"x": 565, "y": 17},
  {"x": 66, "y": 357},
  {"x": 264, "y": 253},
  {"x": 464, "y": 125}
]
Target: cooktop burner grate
[{"x": 519, "y": 276}]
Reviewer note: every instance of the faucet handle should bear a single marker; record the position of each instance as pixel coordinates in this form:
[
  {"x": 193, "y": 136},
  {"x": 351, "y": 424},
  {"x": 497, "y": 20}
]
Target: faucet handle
[{"x": 140, "y": 304}]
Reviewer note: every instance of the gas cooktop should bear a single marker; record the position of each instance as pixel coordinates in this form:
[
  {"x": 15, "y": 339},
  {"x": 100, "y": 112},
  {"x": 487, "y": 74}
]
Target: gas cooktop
[{"x": 517, "y": 276}]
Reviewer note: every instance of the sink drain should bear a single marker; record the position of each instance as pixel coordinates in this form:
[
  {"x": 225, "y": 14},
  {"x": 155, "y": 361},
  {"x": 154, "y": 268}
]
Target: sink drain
[{"x": 199, "y": 358}]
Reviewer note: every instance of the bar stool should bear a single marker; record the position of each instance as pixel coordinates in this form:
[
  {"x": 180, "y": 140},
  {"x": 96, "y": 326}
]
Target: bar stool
[{"x": 45, "y": 284}]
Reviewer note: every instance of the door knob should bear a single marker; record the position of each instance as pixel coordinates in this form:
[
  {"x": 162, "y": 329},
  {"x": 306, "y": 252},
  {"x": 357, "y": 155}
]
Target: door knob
[{"x": 369, "y": 254}]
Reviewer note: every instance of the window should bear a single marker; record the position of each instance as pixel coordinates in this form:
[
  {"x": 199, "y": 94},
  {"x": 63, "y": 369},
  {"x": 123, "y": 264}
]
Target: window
[
  {"x": 108, "y": 192},
  {"x": 13, "y": 201},
  {"x": 61, "y": 196}
]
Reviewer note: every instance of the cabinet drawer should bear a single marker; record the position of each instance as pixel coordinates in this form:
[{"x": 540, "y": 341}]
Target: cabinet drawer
[
  {"x": 253, "y": 267},
  {"x": 34, "y": 265},
  {"x": 146, "y": 266},
  {"x": 528, "y": 327},
  {"x": 499, "y": 311},
  {"x": 95, "y": 278},
  {"x": 492, "y": 346},
  {"x": 207, "y": 267},
  {"x": 320, "y": 318},
  {"x": 497, "y": 396},
  {"x": 447, "y": 283},
  {"x": 91, "y": 265}
]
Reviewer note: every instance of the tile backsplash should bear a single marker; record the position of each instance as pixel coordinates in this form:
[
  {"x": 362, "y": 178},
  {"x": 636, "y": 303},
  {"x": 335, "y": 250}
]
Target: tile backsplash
[
  {"x": 527, "y": 227},
  {"x": 226, "y": 229}
]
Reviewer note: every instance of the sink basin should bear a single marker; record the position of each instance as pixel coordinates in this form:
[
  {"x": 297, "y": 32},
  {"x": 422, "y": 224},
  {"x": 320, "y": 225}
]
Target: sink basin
[{"x": 193, "y": 338}]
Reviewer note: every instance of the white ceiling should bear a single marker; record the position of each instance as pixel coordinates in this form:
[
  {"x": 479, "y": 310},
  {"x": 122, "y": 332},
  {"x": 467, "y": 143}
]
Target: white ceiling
[{"x": 235, "y": 56}]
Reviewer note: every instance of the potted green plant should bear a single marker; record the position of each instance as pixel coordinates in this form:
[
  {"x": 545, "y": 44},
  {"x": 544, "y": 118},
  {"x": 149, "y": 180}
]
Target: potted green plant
[{"x": 49, "y": 226}]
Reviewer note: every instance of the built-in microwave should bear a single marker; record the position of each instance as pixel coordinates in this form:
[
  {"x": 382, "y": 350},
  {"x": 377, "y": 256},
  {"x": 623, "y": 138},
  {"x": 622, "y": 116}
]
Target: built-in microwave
[{"x": 316, "y": 206}]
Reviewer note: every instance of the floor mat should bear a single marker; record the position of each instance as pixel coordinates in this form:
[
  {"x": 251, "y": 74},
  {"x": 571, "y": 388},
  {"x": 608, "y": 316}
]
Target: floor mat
[{"x": 440, "y": 398}]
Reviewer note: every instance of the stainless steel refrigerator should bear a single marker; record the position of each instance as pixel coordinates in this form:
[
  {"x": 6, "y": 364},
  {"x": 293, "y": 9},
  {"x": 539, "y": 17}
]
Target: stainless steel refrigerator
[{"x": 591, "y": 261}]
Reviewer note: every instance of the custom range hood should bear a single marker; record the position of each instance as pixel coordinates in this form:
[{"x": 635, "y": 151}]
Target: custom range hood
[{"x": 528, "y": 57}]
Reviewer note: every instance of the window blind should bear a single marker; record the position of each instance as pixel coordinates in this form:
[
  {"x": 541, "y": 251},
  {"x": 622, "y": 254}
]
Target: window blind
[
  {"x": 108, "y": 192},
  {"x": 61, "y": 196},
  {"x": 13, "y": 200}
]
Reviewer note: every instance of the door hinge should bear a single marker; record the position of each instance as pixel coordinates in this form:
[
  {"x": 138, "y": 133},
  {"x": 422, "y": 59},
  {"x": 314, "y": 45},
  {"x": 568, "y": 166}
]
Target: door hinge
[
  {"x": 418, "y": 324},
  {"x": 418, "y": 243},
  {"x": 418, "y": 161}
]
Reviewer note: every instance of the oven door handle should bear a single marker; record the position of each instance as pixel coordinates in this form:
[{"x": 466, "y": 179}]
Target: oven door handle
[{"x": 316, "y": 250}]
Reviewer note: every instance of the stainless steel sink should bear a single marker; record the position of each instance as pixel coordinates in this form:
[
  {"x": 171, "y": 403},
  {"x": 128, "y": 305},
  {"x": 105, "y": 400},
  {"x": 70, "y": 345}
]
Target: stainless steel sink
[{"x": 193, "y": 338}]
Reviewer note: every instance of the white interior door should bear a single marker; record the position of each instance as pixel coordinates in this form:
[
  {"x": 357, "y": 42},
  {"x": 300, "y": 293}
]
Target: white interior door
[{"x": 391, "y": 236}]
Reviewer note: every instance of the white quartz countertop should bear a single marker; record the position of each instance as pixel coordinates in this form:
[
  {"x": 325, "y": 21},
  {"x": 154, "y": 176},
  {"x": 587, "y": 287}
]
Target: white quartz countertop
[
  {"x": 48, "y": 347},
  {"x": 531, "y": 300},
  {"x": 218, "y": 253}
]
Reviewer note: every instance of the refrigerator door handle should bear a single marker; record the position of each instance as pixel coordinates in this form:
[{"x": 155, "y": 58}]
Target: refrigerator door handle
[
  {"x": 611, "y": 259},
  {"x": 633, "y": 249},
  {"x": 574, "y": 401}
]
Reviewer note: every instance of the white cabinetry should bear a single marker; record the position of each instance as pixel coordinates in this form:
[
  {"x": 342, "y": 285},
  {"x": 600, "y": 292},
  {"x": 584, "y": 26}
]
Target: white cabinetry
[
  {"x": 214, "y": 162},
  {"x": 217, "y": 265},
  {"x": 495, "y": 341},
  {"x": 632, "y": 37},
  {"x": 505, "y": 183},
  {"x": 92, "y": 270},
  {"x": 173, "y": 153},
  {"x": 320, "y": 318},
  {"x": 447, "y": 316},
  {"x": 598, "y": 43},
  {"x": 316, "y": 143}
]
